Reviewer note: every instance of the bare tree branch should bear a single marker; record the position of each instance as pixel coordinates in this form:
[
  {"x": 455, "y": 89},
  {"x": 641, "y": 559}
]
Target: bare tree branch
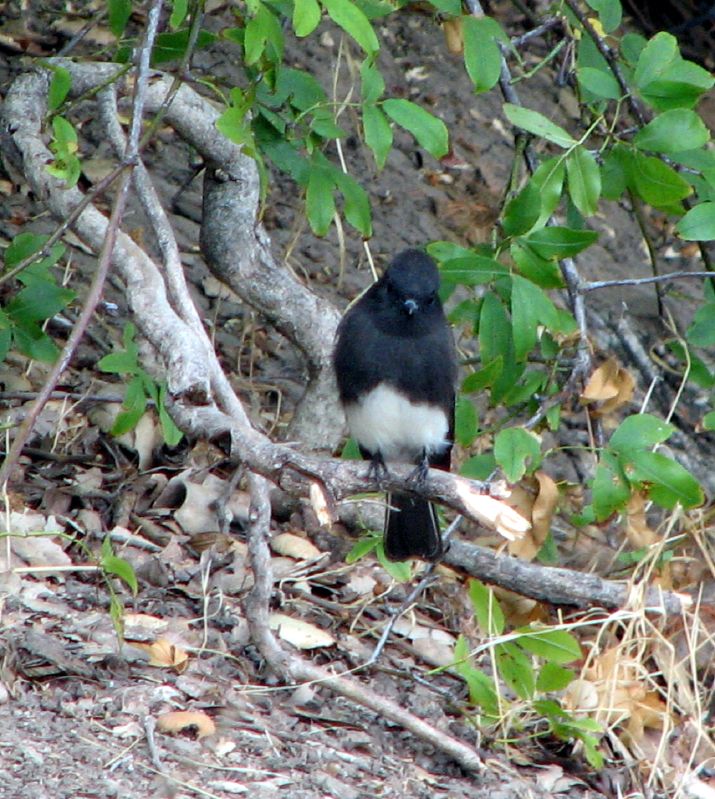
[{"x": 294, "y": 668}]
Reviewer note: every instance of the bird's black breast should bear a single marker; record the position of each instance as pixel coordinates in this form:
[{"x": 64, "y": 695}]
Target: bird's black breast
[{"x": 414, "y": 355}]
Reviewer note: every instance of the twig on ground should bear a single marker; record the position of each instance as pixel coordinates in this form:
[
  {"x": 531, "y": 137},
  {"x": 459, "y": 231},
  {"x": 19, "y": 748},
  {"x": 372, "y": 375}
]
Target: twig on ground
[
  {"x": 426, "y": 580},
  {"x": 294, "y": 668}
]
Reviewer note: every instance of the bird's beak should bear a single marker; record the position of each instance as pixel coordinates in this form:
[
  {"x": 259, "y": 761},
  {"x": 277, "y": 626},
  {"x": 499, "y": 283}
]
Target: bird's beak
[{"x": 411, "y": 306}]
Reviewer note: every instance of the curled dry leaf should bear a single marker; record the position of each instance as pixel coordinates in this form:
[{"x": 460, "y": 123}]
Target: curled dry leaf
[
  {"x": 610, "y": 385},
  {"x": 638, "y": 531},
  {"x": 164, "y": 654},
  {"x": 301, "y": 634},
  {"x": 453, "y": 35},
  {"x": 178, "y": 721},
  {"x": 321, "y": 504},
  {"x": 293, "y": 546},
  {"x": 493, "y": 513}
]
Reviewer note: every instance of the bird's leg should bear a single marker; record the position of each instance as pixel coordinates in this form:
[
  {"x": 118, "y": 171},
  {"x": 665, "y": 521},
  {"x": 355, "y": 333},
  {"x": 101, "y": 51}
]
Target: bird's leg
[
  {"x": 419, "y": 474},
  {"x": 377, "y": 470}
]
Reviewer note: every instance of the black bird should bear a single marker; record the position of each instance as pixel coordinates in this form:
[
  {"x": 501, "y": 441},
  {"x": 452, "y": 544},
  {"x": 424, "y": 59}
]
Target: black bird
[{"x": 396, "y": 368}]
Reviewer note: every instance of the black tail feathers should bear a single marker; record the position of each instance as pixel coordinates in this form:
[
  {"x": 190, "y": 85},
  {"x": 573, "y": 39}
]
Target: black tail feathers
[{"x": 411, "y": 529}]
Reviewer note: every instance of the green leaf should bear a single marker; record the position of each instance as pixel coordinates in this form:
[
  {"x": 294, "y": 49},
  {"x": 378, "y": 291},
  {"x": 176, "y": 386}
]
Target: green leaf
[
  {"x": 172, "y": 434},
  {"x": 698, "y": 224},
  {"x": 487, "y": 610},
  {"x": 65, "y": 135},
  {"x": 478, "y": 467},
  {"x": 609, "y": 492},
  {"x": 495, "y": 340},
  {"x": 60, "y": 85},
  {"x": 560, "y": 242},
  {"x": 671, "y": 484},
  {"x": 482, "y": 691},
  {"x": 356, "y": 205},
  {"x": 655, "y": 58},
  {"x": 515, "y": 450},
  {"x": 38, "y": 301},
  {"x": 484, "y": 377},
  {"x": 599, "y": 82},
  {"x": 549, "y": 180},
  {"x": 701, "y": 332},
  {"x": 465, "y": 422},
  {"x": 584, "y": 181},
  {"x": 451, "y": 7},
  {"x": 31, "y": 341},
  {"x": 118, "y": 15},
  {"x": 482, "y": 56},
  {"x": 235, "y": 126},
  {"x": 709, "y": 421},
  {"x": 300, "y": 87},
  {"x": 522, "y": 212},
  {"x": 555, "y": 646},
  {"x": 553, "y": 677},
  {"x": 363, "y": 546},
  {"x": 401, "y": 571},
  {"x": 22, "y": 247},
  {"x": 172, "y": 46},
  {"x": 306, "y": 16},
  {"x": 639, "y": 432},
  {"x": 135, "y": 402},
  {"x": 354, "y": 22},
  {"x": 429, "y": 131},
  {"x": 632, "y": 45},
  {"x": 471, "y": 270},
  {"x": 372, "y": 84},
  {"x": 111, "y": 564},
  {"x": 538, "y": 124},
  {"x": 656, "y": 182},
  {"x": 378, "y": 133},
  {"x": 319, "y": 200},
  {"x": 261, "y": 29},
  {"x": 119, "y": 363},
  {"x": 179, "y": 10},
  {"x": 614, "y": 180},
  {"x": 542, "y": 271},
  {"x": 672, "y": 132},
  {"x": 515, "y": 669},
  {"x": 609, "y": 13},
  {"x": 530, "y": 306}
]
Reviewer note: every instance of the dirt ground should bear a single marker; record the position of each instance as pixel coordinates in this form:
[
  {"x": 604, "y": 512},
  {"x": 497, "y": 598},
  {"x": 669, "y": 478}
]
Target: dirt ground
[{"x": 76, "y": 708}]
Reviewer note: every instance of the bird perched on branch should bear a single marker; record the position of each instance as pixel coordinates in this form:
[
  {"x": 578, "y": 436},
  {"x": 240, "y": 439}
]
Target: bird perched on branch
[{"x": 396, "y": 368}]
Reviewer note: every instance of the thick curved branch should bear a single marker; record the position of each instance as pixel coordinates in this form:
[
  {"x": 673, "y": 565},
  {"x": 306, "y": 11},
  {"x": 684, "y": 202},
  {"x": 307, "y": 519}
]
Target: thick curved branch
[{"x": 237, "y": 247}]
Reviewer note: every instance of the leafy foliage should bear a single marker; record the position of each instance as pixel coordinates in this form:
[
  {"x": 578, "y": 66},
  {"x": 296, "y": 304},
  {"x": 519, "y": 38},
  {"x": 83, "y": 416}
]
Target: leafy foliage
[{"x": 140, "y": 389}]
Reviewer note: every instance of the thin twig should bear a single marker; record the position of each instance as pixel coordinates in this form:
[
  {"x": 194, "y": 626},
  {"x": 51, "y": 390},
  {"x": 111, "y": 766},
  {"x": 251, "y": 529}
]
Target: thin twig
[
  {"x": 95, "y": 291},
  {"x": 415, "y": 593},
  {"x": 593, "y": 285}
]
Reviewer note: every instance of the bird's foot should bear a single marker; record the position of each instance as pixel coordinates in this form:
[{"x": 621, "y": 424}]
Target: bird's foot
[
  {"x": 377, "y": 470},
  {"x": 418, "y": 475}
]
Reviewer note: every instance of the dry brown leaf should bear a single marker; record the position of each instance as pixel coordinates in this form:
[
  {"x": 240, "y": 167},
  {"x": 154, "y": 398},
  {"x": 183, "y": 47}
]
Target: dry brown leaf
[
  {"x": 544, "y": 507},
  {"x": 453, "y": 35},
  {"x": 320, "y": 503},
  {"x": 293, "y": 546},
  {"x": 638, "y": 532},
  {"x": 610, "y": 385},
  {"x": 493, "y": 513},
  {"x": 177, "y": 721},
  {"x": 299, "y": 633},
  {"x": 165, "y": 654}
]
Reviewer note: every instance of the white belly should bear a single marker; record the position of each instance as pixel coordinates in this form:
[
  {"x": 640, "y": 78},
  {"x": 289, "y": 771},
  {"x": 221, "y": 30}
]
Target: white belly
[{"x": 385, "y": 422}]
